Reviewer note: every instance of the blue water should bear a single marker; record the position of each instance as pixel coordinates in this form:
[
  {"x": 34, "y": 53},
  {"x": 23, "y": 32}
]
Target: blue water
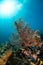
[{"x": 31, "y": 12}]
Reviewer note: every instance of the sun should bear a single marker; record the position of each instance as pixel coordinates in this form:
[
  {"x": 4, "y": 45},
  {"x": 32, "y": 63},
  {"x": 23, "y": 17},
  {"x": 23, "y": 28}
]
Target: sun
[{"x": 9, "y": 8}]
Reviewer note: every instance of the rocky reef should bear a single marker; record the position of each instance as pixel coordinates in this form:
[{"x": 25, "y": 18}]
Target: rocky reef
[{"x": 25, "y": 47}]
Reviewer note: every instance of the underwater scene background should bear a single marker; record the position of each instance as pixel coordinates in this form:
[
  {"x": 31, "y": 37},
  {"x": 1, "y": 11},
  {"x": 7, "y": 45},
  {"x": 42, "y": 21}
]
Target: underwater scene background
[
  {"x": 21, "y": 32},
  {"x": 32, "y": 13}
]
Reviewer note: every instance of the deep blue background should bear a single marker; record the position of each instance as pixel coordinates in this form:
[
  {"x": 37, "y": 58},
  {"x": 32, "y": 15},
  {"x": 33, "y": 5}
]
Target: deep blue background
[{"x": 31, "y": 12}]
